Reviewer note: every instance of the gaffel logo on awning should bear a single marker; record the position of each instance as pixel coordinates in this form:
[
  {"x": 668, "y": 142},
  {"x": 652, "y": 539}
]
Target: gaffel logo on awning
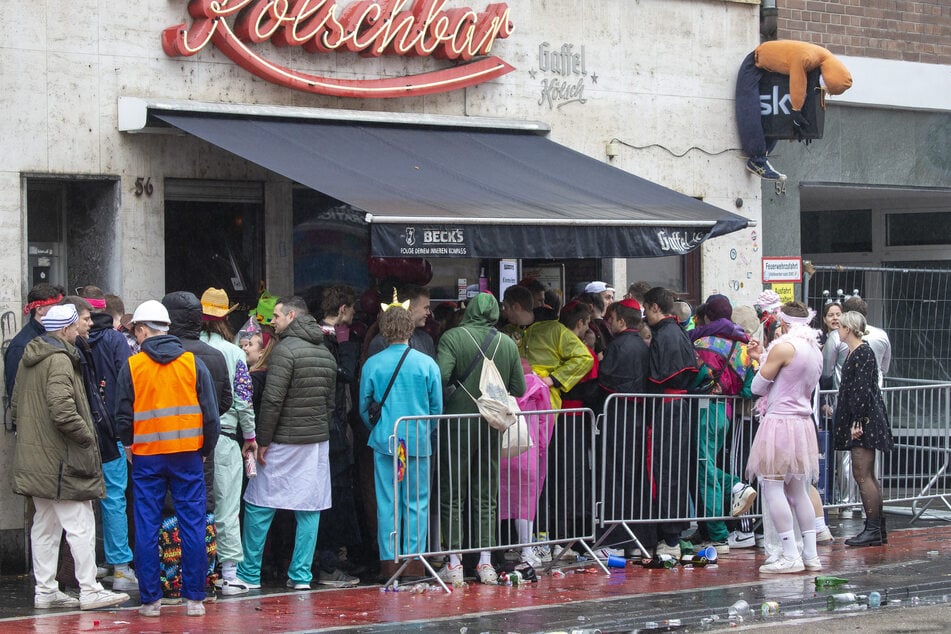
[{"x": 411, "y": 28}]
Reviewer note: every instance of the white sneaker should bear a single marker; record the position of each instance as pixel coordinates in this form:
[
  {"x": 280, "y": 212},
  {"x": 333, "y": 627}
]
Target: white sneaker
[
  {"x": 664, "y": 549},
  {"x": 739, "y": 539},
  {"x": 487, "y": 575},
  {"x": 742, "y": 500},
  {"x": 824, "y": 536},
  {"x": 812, "y": 565},
  {"x": 543, "y": 553},
  {"x": 531, "y": 558},
  {"x": 123, "y": 580},
  {"x": 604, "y": 553},
  {"x": 103, "y": 571},
  {"x": 57, "y": 599},
  {"x": 563, "y": 554},
  {"x": 296, "y": 585},
  {"x": 451, "y": 574},
  {"x": 232, "y": 587},
  {"x": 151, "y": 609},
  {"x": 783, "y": 566},
  {"x": 101, "y": 599},
  {"x": 195, "y": 608}
]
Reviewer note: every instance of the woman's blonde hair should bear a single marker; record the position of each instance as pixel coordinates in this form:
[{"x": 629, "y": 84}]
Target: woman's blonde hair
[
  {"x": 268, "y": 341},
  {"x": 855, "y": 322}
]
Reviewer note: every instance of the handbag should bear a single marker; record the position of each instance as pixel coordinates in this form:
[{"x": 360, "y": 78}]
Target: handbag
[
  {"x": 374, "y": 409},
  {"x": 516, "y": 440}
]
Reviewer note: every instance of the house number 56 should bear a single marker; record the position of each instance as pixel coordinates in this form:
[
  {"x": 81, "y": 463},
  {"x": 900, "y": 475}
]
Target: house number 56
[{"x": 143, "y": 186}]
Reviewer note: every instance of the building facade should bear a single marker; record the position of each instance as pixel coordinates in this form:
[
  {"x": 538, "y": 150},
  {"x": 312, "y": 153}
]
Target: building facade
[{"x": 87, "y": 198}]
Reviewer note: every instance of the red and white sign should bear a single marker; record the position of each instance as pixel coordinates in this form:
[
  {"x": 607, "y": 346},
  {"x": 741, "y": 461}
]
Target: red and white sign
[
  {"x": 783, "y": 269},
  {"x": 372, "y": 28}
]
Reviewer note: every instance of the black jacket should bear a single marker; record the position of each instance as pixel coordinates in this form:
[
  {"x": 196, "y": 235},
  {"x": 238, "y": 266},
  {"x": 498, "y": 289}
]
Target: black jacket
[{"x": 185, "y": 311}]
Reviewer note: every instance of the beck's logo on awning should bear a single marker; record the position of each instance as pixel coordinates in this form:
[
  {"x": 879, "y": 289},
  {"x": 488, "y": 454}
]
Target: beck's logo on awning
[{"x": 372, "y": 28}]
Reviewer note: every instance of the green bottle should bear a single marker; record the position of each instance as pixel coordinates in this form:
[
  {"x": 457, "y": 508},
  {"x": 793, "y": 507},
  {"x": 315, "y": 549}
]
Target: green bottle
[{"x": 828, "y": 581}]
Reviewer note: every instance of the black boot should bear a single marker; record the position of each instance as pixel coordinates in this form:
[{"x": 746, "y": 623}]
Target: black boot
[
  {"x": 871, "y": 536},
  {"x": 881, "y": 515}
]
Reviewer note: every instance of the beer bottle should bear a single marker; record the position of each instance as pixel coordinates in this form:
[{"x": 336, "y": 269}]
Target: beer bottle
[
  {"x": 843, "y": 599},
  {"x": 828, "y": 581}
]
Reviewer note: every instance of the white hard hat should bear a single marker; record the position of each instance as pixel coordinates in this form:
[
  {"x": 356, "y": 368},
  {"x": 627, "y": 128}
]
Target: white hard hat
[{"x": 151, "y": 311}]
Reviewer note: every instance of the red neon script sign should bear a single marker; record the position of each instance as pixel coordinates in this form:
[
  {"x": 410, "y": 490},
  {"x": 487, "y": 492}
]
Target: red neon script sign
[{"x": 369, "y": 27}]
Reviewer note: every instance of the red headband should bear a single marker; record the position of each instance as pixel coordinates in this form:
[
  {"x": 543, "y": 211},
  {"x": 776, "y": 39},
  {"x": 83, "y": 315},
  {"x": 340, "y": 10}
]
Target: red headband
[
  {"x": 98, "y": 304},
  {"x": 42, "y": 302}
]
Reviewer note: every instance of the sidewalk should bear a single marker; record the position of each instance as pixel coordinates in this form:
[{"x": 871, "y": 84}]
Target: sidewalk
[{"x": 625, "y": 601}]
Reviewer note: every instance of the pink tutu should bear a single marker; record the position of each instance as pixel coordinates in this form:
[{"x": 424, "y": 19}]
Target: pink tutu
[{"x": 784, "y": 446}]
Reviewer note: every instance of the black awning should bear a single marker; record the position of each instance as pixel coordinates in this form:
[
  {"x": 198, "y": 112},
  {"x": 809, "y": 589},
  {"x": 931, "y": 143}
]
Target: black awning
[{"x": 450, "y": 192}]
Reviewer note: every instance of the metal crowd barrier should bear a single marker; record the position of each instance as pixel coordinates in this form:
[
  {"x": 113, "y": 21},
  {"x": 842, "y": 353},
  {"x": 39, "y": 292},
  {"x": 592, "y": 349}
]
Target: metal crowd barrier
[
  {"x": 915, "y": 474},
  {"x": 467, "y": 497},
  {"x": 667, "y": 461},
  {"x": 648, "y": 463}
]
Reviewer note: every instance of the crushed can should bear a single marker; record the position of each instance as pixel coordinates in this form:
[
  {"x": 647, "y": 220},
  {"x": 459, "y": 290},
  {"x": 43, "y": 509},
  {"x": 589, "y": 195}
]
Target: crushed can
[{"x": 250, "y": 465}]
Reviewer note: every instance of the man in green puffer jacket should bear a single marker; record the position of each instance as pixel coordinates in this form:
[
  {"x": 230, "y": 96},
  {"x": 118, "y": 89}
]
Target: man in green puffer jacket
[
  {"x": 57, "y": 461},
  {"x": 293, "y": 433}
]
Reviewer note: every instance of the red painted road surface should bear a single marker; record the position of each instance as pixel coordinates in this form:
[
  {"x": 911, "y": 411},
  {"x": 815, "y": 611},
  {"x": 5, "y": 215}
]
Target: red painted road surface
[{"x": 308, "y": 611}]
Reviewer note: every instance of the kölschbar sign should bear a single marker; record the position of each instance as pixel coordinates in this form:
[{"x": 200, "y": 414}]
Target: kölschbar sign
[{"x": 371, "y": 28}]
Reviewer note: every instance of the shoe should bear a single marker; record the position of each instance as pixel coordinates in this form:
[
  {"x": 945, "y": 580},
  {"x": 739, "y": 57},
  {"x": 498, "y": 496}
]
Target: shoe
[
  {"x": 103, "y": 571},
  {"x": 170, "y": 600},
  {"x": 760, "y": 540},
  {"x": 486, "y": 574},
  {"x": 604, "y": 553},
  {"x": 812, "y": 565},
  {"x": 871, "y": 536},
  {"x": 743, "y": 500},
  {"x": 101, "y": 599},
  {"x": 739, "y": 539},
  {"x": 451, "y": 574},
  {"x": 722, "y": 547},
  {"x": 123, "y": 580},
  {"x": 512, "y": 555},
  {"x": 824, "y": 536},
  {"x": 532, "y": 559},
  {"x": 563, "y": 554},
  {"x": 151, "y": 609},
  {"x": 543, "y": 553},
  {"x": 762, "y": 168},
  {"x": 232, "y": 587},
  {"x": 55, "y": 599},
  {"x": 248, "y": 584},
  {"x": 664, "y": 549},
  {"x": 783, "y": 566},
  {"x": 296, "y": 585},
  {"x": 195, "y": 608},
  {"x": 881, "y": 515},
  {"x": 337, "y": 579}
]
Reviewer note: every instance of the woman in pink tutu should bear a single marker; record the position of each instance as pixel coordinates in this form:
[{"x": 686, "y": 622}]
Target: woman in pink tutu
[{"x": 785, "y": 454}]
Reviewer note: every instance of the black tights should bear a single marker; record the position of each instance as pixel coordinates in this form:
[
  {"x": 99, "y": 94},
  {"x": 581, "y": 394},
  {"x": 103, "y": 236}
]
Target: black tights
[{"x": 863, "y": 470}]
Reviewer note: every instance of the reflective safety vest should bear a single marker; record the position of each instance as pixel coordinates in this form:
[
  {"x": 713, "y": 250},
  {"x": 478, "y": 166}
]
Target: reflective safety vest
[{"x": 166, "y": 413}]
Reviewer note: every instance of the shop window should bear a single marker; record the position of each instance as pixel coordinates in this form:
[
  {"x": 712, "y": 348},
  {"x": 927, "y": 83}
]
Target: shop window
[
  {"x": 918, "y": 229},
  {"x": 845, "y": 231}
]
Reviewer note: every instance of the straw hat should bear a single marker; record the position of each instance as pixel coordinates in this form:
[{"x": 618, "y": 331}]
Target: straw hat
[{"x": 214, "y": 302}]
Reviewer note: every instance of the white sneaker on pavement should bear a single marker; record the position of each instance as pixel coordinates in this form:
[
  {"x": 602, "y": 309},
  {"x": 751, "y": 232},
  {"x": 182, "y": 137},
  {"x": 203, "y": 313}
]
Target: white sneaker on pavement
[
  {"x": 123, "y": 580},
  {"x": 664, "y": 549},
  {"x": 195, "y": 608},
  {"x": 783, "y": 566},
  {"x": 604, "y": 553},
  {"x": 151, "y": 609},
  {"x": 101, "y": 599},
  {"x": 232, "y": 587},
  {"x": 563, "y": 554},
  {"x": 487, "y": 575},
  {"x": 812, "y": 565},
  {"x": 531, "y": 558},
  {"x": 451, "y": 574},
  {"x": 739, "y": 539},
  {"x": 55, "y": 599},
  {"x": 824, "y": 536}
]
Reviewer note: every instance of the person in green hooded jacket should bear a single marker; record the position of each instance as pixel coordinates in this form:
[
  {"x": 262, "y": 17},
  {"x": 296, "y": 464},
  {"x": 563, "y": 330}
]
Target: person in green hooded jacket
[{"x": 469, "y": 447}]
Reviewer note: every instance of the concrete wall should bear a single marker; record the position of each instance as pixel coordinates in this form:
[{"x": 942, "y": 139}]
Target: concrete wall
[{"x": 660, "y": 80}]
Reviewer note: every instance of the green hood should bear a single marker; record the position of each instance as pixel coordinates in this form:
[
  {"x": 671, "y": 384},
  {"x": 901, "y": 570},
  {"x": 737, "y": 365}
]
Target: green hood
[{"x": 483, "y": 310}]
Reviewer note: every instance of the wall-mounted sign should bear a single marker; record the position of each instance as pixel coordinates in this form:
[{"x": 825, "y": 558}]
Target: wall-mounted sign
[
  {"x": 782, "y": 269},
  {"x": 418, "y": 28},
  {"x": 568, "y": 72}
]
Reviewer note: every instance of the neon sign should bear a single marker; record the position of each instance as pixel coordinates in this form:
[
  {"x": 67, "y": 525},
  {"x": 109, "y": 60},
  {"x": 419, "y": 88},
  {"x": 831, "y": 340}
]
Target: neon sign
[{"x": 372, "y": 28}]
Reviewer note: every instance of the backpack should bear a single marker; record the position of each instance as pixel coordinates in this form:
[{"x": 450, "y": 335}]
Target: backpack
[
  {"x": 719, "y": 355},
  {"x": 496, "y": 405}
]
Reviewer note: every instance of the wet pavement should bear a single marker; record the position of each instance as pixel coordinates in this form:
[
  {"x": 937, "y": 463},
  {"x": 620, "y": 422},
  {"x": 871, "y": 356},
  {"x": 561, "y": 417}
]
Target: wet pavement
[{"x": 912, "y": 570}]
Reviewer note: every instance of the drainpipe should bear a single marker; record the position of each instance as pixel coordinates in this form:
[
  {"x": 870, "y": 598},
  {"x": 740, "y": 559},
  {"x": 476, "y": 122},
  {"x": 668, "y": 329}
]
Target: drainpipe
[{"x": 767, "y": 20}]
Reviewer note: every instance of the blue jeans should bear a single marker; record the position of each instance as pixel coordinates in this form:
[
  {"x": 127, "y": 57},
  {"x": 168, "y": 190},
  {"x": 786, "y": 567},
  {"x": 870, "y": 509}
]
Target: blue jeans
[
  {"x": 115, "y": 522},
  {"x": 257, "y": 521},
  {"x": 152, "y": 476}
]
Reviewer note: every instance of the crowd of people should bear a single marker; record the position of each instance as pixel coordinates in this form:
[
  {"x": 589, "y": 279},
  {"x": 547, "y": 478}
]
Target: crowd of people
[{"x": 209, "y": 434}]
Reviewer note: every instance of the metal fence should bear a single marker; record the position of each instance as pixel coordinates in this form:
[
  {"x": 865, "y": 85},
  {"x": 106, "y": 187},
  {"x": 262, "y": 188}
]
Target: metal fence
[
  {"x": 469, "y": 496},
  {"x": 913, "y": 305},
  {"x": 645, "y": 468}
]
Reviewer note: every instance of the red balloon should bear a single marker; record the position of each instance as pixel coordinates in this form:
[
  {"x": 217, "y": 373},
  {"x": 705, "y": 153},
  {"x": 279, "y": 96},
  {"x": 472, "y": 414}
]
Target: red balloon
[{"x": 379, "y": 267}]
